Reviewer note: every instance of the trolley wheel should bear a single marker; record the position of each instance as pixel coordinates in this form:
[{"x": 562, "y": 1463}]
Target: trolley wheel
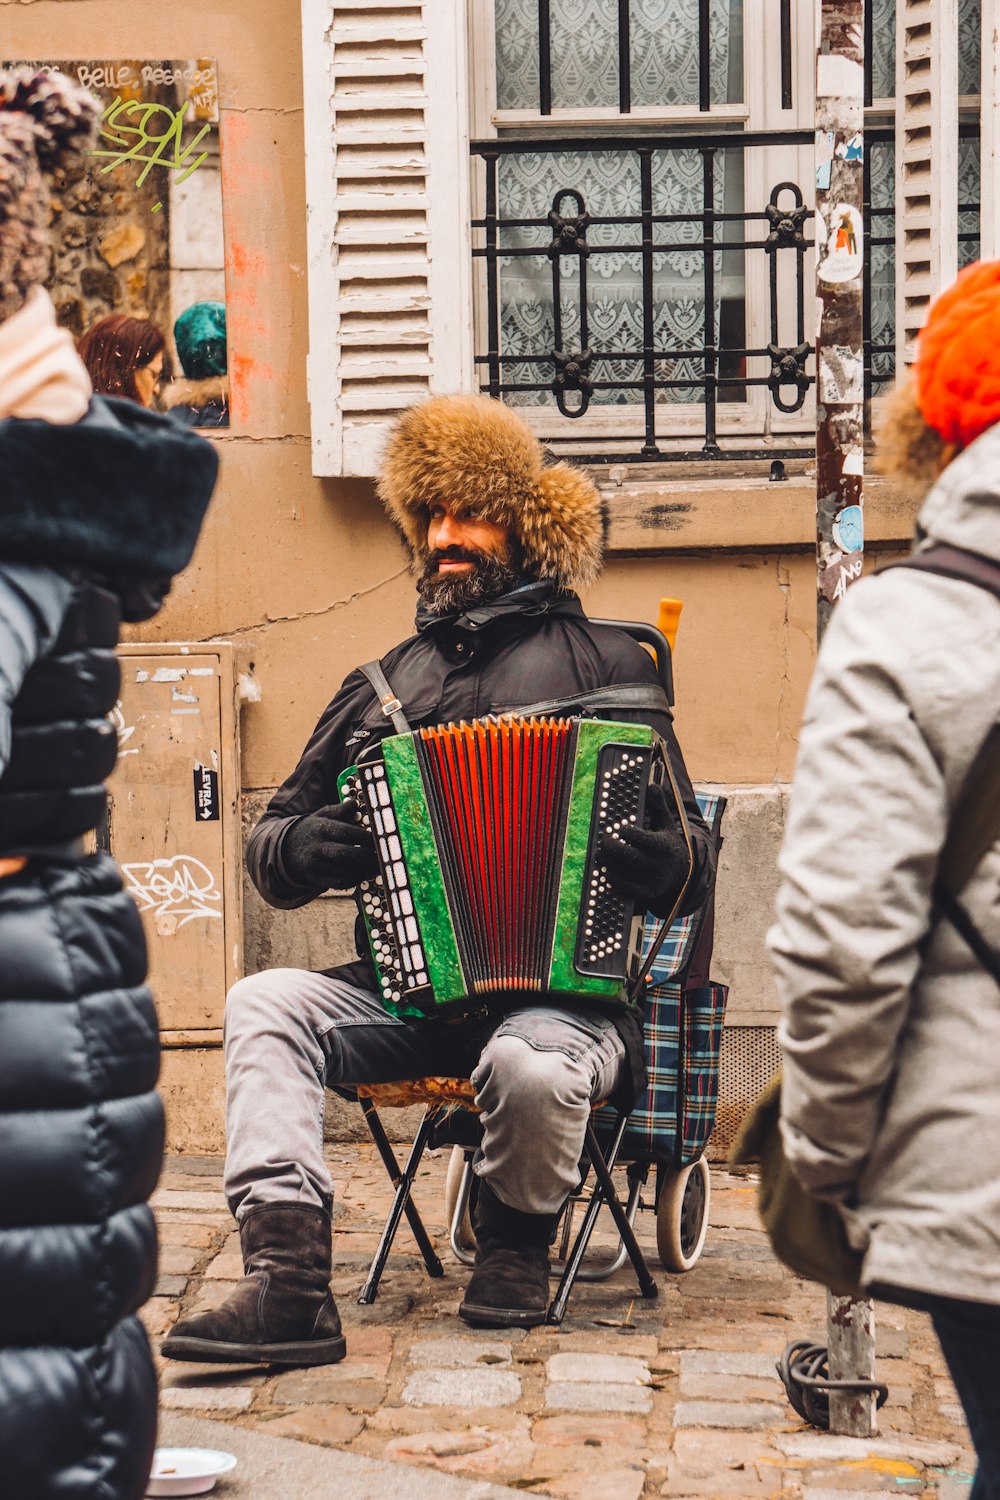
[
  {"x": 682, "y": 1215},
  {"x": 452, "y": 1187}
]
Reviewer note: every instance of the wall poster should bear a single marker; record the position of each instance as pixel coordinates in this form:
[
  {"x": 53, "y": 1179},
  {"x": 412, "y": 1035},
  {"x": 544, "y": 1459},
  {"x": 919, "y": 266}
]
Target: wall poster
[{"x": 138, "y": 273}]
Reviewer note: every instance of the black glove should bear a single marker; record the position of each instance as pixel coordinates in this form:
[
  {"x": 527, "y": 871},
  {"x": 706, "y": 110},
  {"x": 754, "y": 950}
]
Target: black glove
[
  {"x": 329, "y": 848},
  {"x": 651, "y": 864}
]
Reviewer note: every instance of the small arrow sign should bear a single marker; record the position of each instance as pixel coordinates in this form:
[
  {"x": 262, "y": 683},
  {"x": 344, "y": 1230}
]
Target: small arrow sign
[{"x": 206, "y": 794}]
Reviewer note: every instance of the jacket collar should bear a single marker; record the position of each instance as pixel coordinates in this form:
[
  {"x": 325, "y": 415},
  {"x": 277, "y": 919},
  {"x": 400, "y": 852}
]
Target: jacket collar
[
  {"x": 531, "y": 599},
  {"x": 961, "y": 510}
]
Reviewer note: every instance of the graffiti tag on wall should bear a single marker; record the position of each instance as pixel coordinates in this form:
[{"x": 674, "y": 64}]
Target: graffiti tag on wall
[
  {"x": 139, "y": 231},
  {"x": 174, "y": 891},
  {"x": 151, "y": 134}
]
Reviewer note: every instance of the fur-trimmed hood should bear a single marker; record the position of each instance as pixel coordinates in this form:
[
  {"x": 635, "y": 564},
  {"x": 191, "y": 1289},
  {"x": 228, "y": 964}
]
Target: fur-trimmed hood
[
  {"x": 477, "y": 455},
  {"x": 185, "y": 392}
]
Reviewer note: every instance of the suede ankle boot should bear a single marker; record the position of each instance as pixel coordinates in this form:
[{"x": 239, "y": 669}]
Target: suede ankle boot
[
  {"x": 282, "y": 1312},
  {"x": 509, "y": 1287}
]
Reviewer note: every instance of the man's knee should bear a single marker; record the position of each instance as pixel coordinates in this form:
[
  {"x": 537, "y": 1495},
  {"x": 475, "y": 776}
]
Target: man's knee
[
  {"x": 261, "y": 1001},
  {"x": 514, "y": 1074}
]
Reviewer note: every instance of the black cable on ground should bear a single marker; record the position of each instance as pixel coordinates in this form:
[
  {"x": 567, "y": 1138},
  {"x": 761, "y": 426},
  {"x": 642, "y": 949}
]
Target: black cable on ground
[{"x": 804, "y": 1371}]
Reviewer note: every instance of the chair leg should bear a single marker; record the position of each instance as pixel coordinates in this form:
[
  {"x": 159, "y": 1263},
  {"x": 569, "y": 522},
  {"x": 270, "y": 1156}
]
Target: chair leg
[
  {"x": 604, "y": 1192},
  {"x": 602, "y": 1170},
  {"x": 401, "y": 1203},
  {"x": 602, "y": 1270}
]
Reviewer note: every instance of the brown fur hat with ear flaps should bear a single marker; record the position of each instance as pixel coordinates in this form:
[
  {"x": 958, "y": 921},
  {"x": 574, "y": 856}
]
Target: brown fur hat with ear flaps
[{"x": 478, "y": 456}]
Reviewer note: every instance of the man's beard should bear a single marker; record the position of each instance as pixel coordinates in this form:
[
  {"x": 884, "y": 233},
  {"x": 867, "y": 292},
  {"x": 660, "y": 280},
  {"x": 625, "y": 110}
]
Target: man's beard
[{"x": 453, "y": 593}]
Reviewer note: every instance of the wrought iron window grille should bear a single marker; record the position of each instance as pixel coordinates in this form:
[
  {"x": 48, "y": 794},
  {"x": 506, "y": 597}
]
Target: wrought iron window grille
[
  {"x": 641, "y": 376},
  {"x": 736, "y": 369}
]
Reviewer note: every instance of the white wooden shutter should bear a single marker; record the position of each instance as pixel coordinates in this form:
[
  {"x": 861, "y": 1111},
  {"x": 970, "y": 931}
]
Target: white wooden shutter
[
  {"x": 989, "y": 110},
  {"x": 926, "y": 161},
  {"x": 387, "y": 183}
]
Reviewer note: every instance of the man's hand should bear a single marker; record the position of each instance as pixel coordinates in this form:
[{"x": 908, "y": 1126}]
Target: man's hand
[
  {"x": 329, "y": 848},
  {"x": 651, "y": 864}
]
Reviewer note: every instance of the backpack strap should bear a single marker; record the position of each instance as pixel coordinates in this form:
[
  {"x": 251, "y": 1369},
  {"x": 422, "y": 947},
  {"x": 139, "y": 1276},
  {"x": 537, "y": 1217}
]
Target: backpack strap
[
  {"x": 391, "y": 706},
  {"x": 954, "y": 562},
  {"x": 975, "y": 822},
  {"x": 972, "y": 832}
]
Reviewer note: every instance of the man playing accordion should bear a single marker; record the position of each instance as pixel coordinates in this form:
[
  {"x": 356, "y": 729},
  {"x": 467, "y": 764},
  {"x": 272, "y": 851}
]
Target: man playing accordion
[{"x": 499, "y": 542}]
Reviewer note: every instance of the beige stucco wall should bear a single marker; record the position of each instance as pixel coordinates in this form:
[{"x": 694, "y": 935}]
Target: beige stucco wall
[
  {"x": 306, "y": 578},
  {"x": 304, "y": 575}
]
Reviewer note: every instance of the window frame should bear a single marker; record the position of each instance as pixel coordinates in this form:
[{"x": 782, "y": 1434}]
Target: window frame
[{"x": 755, "y": 420}]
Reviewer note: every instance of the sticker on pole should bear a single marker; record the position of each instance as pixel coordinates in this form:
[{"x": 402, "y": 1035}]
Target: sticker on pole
[
  {"x": 845, "y": 246},
  {"x": 849, "y": 529}
]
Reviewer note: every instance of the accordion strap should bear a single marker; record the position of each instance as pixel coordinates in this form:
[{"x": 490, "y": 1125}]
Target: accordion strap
[
  {"x": 638, "y": 695},
  {"x": 643, "y": 696},
  {"x": 391, "y": 706}
]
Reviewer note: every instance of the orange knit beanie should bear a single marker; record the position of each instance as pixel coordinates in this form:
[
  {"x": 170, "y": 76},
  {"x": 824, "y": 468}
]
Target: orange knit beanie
[{"x": 957, "y": 372}]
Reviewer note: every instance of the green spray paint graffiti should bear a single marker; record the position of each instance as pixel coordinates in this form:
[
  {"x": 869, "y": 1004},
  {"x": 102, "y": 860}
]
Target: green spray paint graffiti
[{"x": 149, "y": 133}]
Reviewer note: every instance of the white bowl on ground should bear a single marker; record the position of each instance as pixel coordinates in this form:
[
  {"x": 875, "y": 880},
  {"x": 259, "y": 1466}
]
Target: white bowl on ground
[{"x": 187, "y": 1471}]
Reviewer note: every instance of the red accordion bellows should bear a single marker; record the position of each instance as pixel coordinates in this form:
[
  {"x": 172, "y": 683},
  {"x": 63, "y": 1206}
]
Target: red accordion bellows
[{"x": 497, "y": 791}]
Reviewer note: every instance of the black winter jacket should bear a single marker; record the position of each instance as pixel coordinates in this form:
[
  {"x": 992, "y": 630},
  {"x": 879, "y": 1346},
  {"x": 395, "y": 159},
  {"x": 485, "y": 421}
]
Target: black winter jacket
[
  {"x": 531, "y": 646},
  {"x": 89, "y": 511}
]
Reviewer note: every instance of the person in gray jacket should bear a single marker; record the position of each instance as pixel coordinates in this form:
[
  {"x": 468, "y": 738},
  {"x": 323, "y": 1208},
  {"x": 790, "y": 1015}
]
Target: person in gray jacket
[{"x": 891, "y": 1025}]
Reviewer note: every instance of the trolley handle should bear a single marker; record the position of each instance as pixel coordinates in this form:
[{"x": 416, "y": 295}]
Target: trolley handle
[{"x": 649, "y": 635}]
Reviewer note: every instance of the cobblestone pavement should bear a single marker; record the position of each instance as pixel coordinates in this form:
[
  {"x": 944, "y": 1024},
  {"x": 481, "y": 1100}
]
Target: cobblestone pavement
[{"x": 629, "y": 1398}]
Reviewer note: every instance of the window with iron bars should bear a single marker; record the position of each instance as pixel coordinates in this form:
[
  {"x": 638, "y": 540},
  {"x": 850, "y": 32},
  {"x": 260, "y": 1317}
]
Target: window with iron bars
[{"x": 642, "y": 229}]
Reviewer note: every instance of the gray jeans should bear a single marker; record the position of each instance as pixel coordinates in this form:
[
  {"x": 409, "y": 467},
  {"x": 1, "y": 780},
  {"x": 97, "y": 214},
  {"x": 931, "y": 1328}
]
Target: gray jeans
[{"x": 289, "y": 1033}]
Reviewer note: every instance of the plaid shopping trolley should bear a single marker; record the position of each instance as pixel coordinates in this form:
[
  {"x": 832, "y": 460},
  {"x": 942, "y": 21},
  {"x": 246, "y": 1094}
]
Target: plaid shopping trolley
[{"x": 666, "y": 1133}]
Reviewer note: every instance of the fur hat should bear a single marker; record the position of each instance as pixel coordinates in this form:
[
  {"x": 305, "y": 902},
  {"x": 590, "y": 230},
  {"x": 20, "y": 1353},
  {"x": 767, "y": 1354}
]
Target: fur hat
[
  {"x": 47, "y": 125},
  {"x": 957, "y": 371},
  {"x": 479, "y": 457}
]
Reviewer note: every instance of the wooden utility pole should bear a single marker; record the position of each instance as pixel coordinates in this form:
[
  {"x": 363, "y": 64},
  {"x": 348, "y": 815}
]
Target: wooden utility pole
[{"x": 840, "y": 258}]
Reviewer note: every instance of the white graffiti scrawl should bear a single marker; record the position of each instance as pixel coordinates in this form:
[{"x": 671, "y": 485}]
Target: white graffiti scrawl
[
  {"x": 123, "y": 730},
  {"x": 175, "y": 891}
]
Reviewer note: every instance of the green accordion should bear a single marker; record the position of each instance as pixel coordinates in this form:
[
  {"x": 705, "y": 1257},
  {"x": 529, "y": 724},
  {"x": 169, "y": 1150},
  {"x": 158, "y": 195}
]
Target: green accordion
[{"x": 490, "y": 887}]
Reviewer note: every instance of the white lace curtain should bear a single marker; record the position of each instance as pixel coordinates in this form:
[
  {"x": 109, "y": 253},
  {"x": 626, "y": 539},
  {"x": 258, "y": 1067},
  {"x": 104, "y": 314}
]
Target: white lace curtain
[
  {"x": 584, "y": 53},
  {"x": 584, "y": 72}
]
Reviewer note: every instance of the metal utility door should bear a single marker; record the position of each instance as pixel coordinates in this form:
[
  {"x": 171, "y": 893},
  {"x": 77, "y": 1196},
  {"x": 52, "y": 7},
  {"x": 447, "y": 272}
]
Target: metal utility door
[{"x": 173, "y": 826}]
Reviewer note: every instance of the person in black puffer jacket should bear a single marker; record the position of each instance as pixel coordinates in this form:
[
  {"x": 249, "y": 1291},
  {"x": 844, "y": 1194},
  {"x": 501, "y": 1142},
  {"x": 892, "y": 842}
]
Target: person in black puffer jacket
[{"x": 101, "y": 503}]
